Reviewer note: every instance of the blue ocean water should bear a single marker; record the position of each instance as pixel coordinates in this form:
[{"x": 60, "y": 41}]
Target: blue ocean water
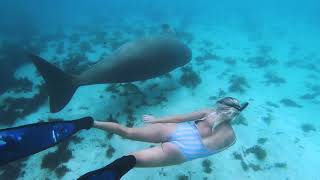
[{"x": 264, "y": 52}]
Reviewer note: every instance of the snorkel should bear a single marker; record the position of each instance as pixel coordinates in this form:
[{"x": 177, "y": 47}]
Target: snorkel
[
  {"x": 231, "y": 103},
  {"x": 243, "y": 106},
  {"x": 236, "y": 106}
]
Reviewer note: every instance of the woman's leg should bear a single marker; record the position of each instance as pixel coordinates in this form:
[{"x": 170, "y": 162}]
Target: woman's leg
[
  {"x": 159, "y": 156},
  {"x": 154, "y": 133},
  {"x": 165, "y": 155}
]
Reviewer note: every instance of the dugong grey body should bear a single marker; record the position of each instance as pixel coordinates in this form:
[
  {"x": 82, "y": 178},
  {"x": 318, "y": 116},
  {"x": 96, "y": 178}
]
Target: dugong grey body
[
  {"x": 134, "y": 61},
  {"x": 139, "y": 60}
]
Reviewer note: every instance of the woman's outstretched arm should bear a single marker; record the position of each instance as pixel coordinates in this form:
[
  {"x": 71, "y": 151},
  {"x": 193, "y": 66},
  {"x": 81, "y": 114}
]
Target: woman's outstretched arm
[
  {"x": 177, "y": 118},
  {"x": 111, "y": 127}
]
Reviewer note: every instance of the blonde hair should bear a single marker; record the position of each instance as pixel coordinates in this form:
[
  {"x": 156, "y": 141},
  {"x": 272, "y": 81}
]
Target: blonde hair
[{"x": 226, "y": 111}]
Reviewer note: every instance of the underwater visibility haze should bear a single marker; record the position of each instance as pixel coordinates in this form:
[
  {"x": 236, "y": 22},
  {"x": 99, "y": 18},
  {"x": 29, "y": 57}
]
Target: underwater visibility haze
[{"x": 133, "y": 65}]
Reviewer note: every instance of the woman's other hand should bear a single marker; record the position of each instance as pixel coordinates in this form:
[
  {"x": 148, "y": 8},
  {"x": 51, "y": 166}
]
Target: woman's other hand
[{"x": 148, "y": 118}]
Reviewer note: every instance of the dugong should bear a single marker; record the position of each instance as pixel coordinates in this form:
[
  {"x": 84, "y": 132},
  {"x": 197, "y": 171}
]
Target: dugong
[{"x": 138, "y": 60}]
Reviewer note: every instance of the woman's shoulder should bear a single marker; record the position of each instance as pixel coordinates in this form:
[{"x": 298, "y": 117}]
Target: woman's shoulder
[
  {"x": 229, "y": 132},
  {"x": 221, "y": 139}
]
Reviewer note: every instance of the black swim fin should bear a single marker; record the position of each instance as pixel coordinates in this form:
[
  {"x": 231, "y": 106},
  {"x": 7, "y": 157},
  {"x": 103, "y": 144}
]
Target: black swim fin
[
  {"x": 22, "y": 141},
  {"x": 61, "y": 86},
  {"x": 112, "y": 171}
]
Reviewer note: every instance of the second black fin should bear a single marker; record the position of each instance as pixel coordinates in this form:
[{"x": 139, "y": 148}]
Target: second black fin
[
  {"x": 23, "y": 141},
  {"x": 60, "y": 85}
]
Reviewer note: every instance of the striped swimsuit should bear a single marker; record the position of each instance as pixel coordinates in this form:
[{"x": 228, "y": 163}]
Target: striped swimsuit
[{"x": 188, "y": 139}]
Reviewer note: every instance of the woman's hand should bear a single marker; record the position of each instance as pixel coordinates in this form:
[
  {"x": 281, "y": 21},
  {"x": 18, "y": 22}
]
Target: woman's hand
[{"x": 148, "y": 118}]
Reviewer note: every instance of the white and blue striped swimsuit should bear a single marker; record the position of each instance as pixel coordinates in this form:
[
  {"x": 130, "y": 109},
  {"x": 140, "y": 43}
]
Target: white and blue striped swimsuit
[{"x": 188, "y": 139}]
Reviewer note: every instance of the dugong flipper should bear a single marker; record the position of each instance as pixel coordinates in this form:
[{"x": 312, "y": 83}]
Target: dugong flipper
[{"x": 134, "y": 61}]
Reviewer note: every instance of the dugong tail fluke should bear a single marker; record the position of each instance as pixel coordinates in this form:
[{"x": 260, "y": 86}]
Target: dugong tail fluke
[{"x": 60, "y": 85}]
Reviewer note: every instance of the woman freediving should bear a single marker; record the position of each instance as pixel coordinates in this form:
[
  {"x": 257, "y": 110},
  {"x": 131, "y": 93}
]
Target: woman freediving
[{"x": 183, "y": 138}]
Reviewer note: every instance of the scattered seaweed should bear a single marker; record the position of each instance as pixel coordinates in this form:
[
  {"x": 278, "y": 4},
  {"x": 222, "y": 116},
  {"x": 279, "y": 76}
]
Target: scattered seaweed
[
  {"x": 85, "y": 47},
  {"x": 313, "y": 76},
  {"x": 240, "y": 120},
  {"x": 113, "y": 88},
  {"x": 116, "y": 40},
  {"x": 207, "y": 43},
  {"x": 269, "y": 110},
  {"x": 290, "y": 103},
  {"x": 185, "y": 36},
  {"x": 238, "y": 156},
  {"x": 74, "y": 38},
  {"x": 307, "y": 127},
  {"x": 110, "y": 151},
  {"x": 264, "y": 49},
  {"x": 83, "y": 108},
  {"x": 23, "y": 85},
  {"x": 293, "y": 63},
  {"x": 13, "y": 170},
  {"x": 300, "y": 63},
  {"x": 53, "y": 159},
  {"x": 59, "y": 33},
  {"x": 11, "y": 58},
  {"x": 115, "y": 44},
  {"x": 238, "y": 84},
  {"x": 183, "y": 177},
  {"x": 224, "y": 74},
  {"x": 267, "y": 119},
  {"x": 100, "y": 38},
  {"x": 255, "y": 167},
  {"x": 230, "y": 61},
  {"x": 261, "y": 61},
  {"x": 111, "y": 119},
  {"x": 206, "y": 56},
  {"x": 280, "y": 165},
  {"x": 310, "y": 96},
  {"x": 166, "y": 28},
  {"x": 315, "y": 92},
  {"x": 314, "y": 88},
  {"x": 206, "y": 164},
  {"x": 160, "y": 99},
  {"x": 162, "y": 172},
  {"x": 271, "y": 104},
  {"x": 262, "y": 140},
  {"x": 311, "y": 67},
  {"x": 189, "y": 78},
  {"x": 130, "y": 89},
  {"x": 109, "y": 135},
  {"x": 76, "y": 139},
  {"x": 134, "y": 95},
  {"x": 130, "y": 120},
  {"x": 21, "y": 107},
  {"x": 76, "y": 63},
  {"x": 129, "y": 111},
  {"x": 220, "y": 95},
  {"x": 293, "y": 50},
  {"x": 61, "y": 171},
  {"x": 60, "y": 48},
  {"x": 258, "y": 151},
  {"x": 272, "y": 78}
]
